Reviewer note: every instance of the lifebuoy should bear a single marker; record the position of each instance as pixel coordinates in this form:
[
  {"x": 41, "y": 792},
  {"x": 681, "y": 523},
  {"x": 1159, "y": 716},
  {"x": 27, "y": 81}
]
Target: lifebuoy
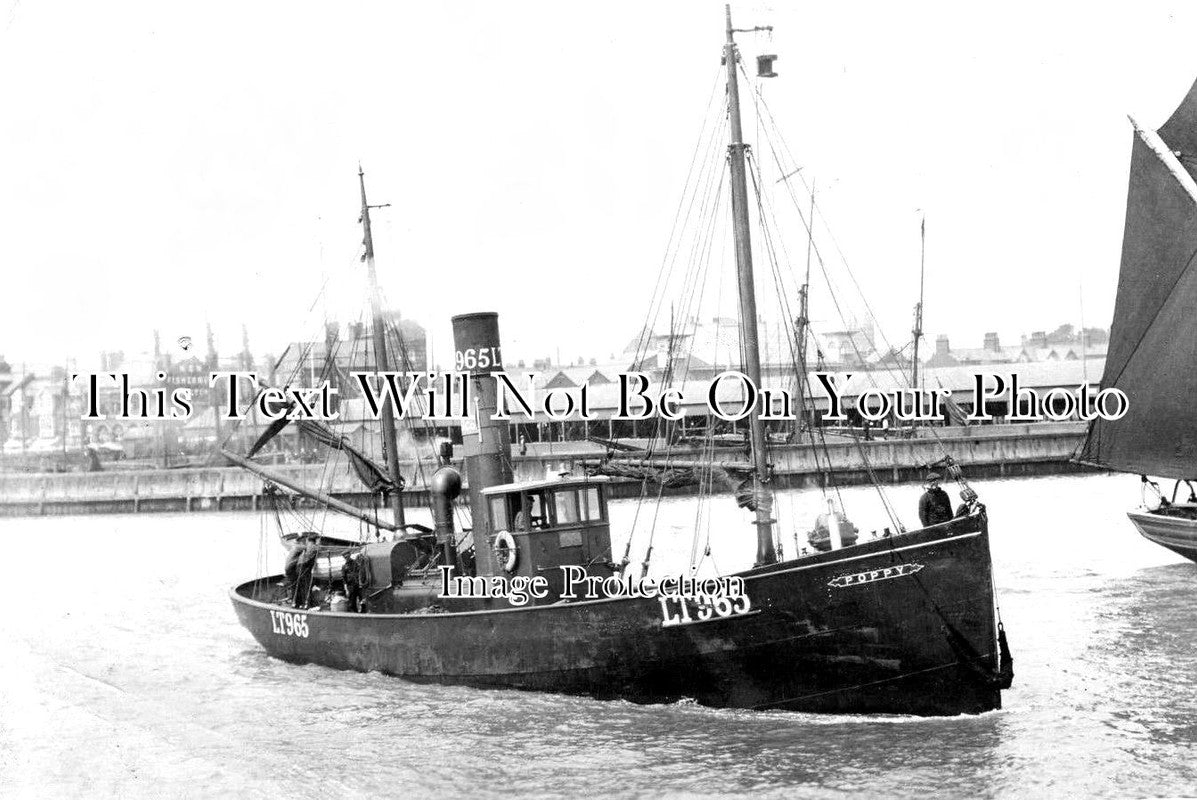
[{"x": 506, "y": 551}]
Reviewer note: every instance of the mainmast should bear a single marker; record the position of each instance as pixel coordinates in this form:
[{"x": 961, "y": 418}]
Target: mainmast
[
  {"x": 749, "y": 344},
  {"x": 381, "y": 362},
  {"x": 918, "y": 309},
  {"x": 803, "y": 322}
]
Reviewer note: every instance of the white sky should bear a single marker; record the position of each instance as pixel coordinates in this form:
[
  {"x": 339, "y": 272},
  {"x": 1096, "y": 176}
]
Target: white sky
[{"x": 163, "y": 164}]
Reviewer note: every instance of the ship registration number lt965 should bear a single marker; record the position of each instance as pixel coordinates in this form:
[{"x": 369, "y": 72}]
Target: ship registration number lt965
[
  {"x": 289, "y": 624},
  {"x": 677, "y": 610}
]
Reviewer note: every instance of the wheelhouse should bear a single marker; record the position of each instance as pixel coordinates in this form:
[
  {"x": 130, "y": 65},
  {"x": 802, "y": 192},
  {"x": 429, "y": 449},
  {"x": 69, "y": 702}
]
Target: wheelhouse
[{"x": 538, "y": 527}]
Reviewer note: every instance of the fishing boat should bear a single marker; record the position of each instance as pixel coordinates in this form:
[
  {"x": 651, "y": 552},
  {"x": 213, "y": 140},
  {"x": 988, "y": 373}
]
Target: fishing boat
[
  {"x": 1151, "y": 353},
  {"x": 901, "y": 623}
]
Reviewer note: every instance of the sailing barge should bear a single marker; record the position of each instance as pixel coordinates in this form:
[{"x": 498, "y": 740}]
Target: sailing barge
[
  {"x": 900, "y": 624},
  {"x": 1151, "y": 351}
]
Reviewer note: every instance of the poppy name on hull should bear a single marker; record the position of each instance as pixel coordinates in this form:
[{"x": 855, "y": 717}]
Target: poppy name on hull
[{"x": 857, "y": 578}]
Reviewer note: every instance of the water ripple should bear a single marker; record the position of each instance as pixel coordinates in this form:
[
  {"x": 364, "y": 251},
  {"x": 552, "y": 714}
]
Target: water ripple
[{"x": 142, "y": 684}]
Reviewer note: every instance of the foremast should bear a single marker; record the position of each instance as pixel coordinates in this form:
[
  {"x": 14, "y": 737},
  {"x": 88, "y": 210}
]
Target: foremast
[
  {"x": 749, "y": 337},
  {"x": 381, "y": 360},
  {"x": 917, "y": 330}
]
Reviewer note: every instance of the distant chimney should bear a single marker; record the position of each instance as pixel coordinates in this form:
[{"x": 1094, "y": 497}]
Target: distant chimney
[
  {"x": 1038, "y": 339},
  {"x": 213, "y": 360},
  {"x": 942, "y": 348},
  {"x": 991, "y": 343}
]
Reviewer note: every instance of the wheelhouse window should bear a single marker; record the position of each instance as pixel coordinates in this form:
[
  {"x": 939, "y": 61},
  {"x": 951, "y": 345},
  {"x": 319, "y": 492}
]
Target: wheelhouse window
[
  {"x": 566, "y": 503},
  {"x": 498, "y": 513},
  {"x": 519, "y": 511},
  {"x": 572, "y": 506},
  {"x": 535, "y": 507},
  {"x": 592, "y": 504},
  {"x": 531, "y": 510}
]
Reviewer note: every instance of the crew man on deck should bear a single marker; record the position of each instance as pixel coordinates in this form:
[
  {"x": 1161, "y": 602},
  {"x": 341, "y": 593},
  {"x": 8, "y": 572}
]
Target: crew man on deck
[
  {"x": 298, "y": 569},
  {"x": 934, "y": 506},
  {"x": 349, "y": 578}
]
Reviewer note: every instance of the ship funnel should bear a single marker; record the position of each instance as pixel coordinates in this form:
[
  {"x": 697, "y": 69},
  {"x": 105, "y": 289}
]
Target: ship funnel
[{"x": 486, "y": 442}]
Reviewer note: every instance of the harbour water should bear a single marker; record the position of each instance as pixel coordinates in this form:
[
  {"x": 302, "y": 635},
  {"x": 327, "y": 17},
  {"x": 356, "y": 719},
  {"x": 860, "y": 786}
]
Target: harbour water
[{"x": 124, "y": 673}]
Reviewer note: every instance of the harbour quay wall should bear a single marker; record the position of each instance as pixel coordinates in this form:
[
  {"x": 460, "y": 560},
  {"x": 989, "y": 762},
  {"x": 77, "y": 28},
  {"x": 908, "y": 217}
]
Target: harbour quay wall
[
  {"x": 988, "y": 451},
  {"x": 1032, "y": 449}
]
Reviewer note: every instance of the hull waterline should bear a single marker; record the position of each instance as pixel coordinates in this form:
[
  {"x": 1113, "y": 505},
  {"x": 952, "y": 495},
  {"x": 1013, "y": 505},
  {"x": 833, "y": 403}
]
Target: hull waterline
[{"x": 903, "y": 625}]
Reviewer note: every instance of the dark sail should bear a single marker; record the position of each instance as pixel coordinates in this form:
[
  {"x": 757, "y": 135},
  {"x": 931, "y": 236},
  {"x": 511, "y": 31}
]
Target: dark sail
[
  {"x": 371, "y": 474},
  {"x": 1153, "y": 338}
]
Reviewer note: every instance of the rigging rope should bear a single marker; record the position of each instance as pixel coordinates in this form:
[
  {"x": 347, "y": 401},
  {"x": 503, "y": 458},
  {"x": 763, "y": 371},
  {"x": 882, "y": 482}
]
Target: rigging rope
[{"x": 903, "y": 377}]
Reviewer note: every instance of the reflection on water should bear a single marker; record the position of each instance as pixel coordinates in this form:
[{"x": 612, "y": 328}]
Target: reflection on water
[{"x": 125, "y": 674}]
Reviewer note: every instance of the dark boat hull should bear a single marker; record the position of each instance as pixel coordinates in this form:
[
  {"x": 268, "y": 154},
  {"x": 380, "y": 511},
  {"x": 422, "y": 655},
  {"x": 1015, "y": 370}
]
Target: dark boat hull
[
  {"x": 1176, "y": 530},
  {"x": 902, "y": 625}
]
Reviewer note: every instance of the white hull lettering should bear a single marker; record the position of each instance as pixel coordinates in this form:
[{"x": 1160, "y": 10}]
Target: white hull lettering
[
  {"x": 286, "y": 623},
  {"x": 873, "y": 575},
  {"x": 702, "y": 608}
]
